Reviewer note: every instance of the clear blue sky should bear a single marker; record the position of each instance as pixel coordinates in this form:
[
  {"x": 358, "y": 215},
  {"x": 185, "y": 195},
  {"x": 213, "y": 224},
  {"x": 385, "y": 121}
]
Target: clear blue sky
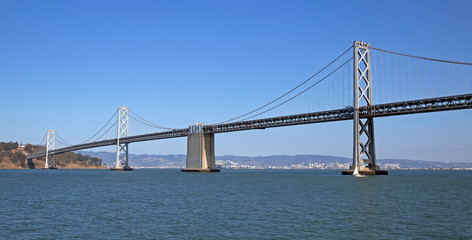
[{"x": 68, "y": 65}]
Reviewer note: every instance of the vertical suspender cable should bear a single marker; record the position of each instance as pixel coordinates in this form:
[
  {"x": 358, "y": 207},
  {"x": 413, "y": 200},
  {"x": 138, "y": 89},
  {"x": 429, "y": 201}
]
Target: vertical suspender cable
[
  {"x": 449, "y": 79},
  {"x": 466, "y": 78},
  {"x": 382, "y": 67},
  {"x": 403, "y": 83},
  {"x": 374, "y": 66},
  {"x": 390, "y": 79},
  {"x": 395, "y": 91},
  {"x": 344, "y": 87},
  {"x": 425, "y": 75},
  {"x": 410, "y": 79},
  {"x": 431, "y": 78},
  {"x": 458, "y": 80},
  {"x": 439, "y": 79}
]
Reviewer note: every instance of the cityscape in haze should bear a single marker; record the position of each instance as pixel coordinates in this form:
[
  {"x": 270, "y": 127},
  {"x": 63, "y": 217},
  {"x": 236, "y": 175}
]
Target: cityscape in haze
[{"x": 274, "y": 162}]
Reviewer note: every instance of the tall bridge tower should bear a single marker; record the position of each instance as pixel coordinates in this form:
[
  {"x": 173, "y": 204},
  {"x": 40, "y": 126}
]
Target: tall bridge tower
[
  {"x": 122, "y": 163},
  {"x": 50, "y": 162},
  {"x": 364, "y": 138}
]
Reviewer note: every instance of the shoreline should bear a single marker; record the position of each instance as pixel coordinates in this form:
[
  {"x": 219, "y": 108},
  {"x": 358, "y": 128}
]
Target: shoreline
[
  {"x": 143, "y": 168},
  {"x": 58, "y": 168}
]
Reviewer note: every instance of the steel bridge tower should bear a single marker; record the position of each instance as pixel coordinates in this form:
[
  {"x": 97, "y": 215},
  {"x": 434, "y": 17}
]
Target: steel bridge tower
[
  {"x": 50, "y": 163},
  {"x": 364, "y": 138},
  {"x": 122, "y": 163}
]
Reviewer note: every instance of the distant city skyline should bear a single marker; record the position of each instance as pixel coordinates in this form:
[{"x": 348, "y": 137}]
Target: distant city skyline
[{"x": 67, "y": 66}]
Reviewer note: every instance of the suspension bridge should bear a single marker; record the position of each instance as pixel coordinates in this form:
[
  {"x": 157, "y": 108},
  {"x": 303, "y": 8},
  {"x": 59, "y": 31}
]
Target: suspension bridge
[{"x": 342, "y": 90}]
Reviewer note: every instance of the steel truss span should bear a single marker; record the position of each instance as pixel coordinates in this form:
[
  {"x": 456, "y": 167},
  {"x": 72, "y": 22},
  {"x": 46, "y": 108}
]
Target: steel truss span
[
  {"x": 138, "y": 138},
  {"x": 457, "y": 102}
]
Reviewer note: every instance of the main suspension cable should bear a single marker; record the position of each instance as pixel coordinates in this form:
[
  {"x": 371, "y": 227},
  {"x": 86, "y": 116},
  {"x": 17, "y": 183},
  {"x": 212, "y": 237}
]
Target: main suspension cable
[
  {"x": 288, "y": 91},
  {"x": 101, "y": 128},
  {"x": 424, "y": 58},
  {"x": 44, "y": 138},
  {"x": 63, "y": 143},
  {"x": 114, "y": 124},
  {"x": 300, "y": 92},
  {"x": 146, "y": 122},
  {"x": 61, "y": 140}
]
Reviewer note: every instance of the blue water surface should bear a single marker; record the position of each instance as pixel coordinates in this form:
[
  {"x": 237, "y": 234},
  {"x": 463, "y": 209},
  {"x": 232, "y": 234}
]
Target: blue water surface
[{"x": 234, "y": 204}]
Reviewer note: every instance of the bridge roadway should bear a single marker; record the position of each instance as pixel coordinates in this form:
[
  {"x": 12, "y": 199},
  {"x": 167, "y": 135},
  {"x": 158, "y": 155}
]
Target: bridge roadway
[{"x": 449, "y": 103}]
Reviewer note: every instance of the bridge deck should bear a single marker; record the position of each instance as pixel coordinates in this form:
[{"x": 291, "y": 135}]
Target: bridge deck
[{"x": 449, "y": 103}]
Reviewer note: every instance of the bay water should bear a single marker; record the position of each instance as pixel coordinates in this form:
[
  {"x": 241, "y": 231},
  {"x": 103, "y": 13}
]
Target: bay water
[{"x": 234, "y": 204}]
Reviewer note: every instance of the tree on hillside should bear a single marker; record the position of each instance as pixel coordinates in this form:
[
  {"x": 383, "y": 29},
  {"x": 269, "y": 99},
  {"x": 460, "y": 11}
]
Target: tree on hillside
[
  {"x": 6, "y": 146},
  {"x": 29, "y": 148},
  {"x": 18, "y": 159}
]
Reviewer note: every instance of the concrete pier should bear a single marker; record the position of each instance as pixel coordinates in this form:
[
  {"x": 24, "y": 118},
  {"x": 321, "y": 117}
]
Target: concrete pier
[{"x": 200, "y": 151}]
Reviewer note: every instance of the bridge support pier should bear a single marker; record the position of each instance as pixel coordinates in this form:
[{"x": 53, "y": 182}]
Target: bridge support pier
[
  {"x": 364, "y": 139},
  {"x": 200, "y": 151}
]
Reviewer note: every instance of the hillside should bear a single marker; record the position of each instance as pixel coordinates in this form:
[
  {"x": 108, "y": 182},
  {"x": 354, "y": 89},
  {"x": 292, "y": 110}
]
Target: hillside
[{"x": 13, "y": 156}]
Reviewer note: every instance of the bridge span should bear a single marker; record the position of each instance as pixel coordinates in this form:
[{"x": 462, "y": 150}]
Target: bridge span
[
  {"x": 382, "y": 110},
  {"x": 443, "y": 85}
]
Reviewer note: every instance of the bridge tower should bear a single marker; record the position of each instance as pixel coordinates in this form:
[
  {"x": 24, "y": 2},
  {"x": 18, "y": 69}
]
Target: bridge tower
[
  {"x": 364, "y": 138},
  {"x": 200, "y": 150},
  {"x": 121, "y": 163},
  {"x": 50, "y": 146}
]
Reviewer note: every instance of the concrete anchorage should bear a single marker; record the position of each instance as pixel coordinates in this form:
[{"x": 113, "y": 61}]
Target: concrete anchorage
[{"x": 200, "y": 150}]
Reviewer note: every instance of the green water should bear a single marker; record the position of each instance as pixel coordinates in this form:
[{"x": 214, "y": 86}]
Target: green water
[{"x": 234, "y": 204}]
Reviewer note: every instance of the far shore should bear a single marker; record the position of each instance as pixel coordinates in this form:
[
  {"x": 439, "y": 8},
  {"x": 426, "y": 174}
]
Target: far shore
[{"x": 59, "y": 168}]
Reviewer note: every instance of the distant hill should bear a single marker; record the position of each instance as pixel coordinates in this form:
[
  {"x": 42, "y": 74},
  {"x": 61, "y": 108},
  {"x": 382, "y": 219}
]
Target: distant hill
[
  {"x": 407, "y": 163},
  {"x": 178, "y": 160},
  {"x": 142, "y": 160}
]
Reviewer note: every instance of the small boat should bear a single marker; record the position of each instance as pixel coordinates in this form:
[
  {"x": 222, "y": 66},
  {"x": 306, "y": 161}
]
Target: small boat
[{"x": 356, "y": 173}]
